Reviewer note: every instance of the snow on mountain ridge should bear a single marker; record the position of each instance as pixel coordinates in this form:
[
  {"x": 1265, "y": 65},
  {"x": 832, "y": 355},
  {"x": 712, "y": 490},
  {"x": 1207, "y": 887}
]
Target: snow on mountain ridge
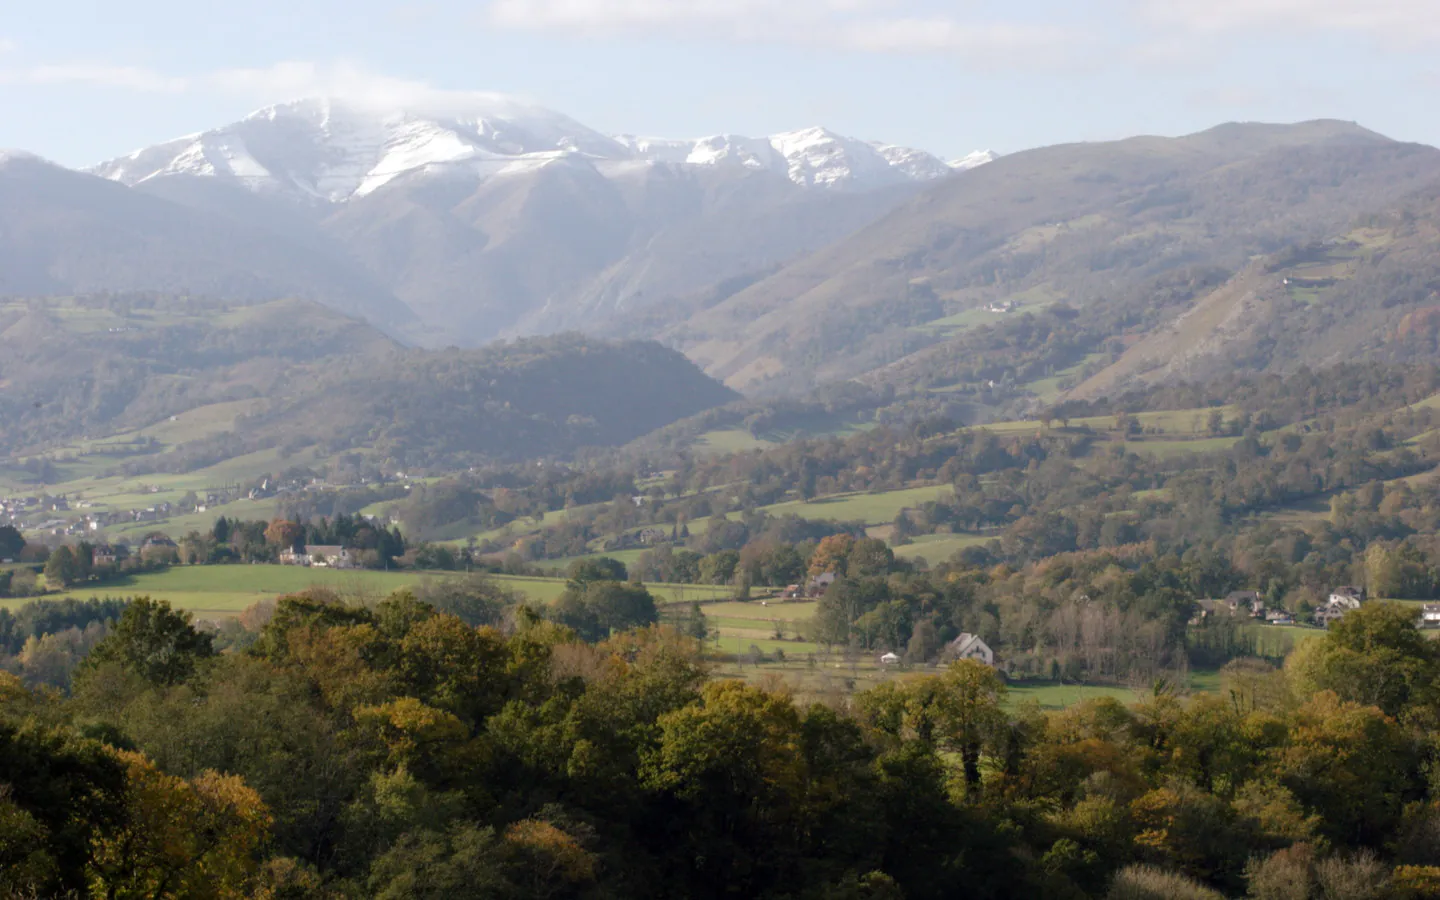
[
  {"x": 973, "y": 160},
  {"x": 328, "y": 151},
  {"x": 813, "y": 157}
]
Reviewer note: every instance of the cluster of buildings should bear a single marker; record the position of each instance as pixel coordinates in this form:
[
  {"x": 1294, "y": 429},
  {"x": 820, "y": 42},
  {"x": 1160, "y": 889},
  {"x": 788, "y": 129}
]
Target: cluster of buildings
[
  {"x": 1248, "y": 604},
  {"x": 37, "y": 515},
  {"x": 810, "y": 590}
]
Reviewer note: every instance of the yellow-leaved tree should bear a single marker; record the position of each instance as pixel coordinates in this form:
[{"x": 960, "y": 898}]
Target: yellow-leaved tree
[{"x": 184, "y": 838}]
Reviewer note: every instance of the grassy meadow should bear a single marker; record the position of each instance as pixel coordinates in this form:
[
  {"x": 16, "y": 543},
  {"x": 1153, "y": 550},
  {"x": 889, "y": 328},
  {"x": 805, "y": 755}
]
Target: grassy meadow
[
  {"x": 873, "y": 509},
  {"x": 937, "y": 548},
  {"x": 222, "y": 591}
]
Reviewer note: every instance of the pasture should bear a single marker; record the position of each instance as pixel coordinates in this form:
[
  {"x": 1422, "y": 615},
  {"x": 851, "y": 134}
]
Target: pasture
[
  {"x": 223, "y": 591},
  {"x": 938, "y": 548},
  {"x": 871, "y": 508},
  {"x": 1184, "y": 422},
  {"x": 729, "y": 440}
]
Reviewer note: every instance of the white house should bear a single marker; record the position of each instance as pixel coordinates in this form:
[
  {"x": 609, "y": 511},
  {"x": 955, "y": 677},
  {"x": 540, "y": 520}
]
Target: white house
[
  {"x": 1348, "y": 597},
  {"x": 1430, "y": 616},
  {"x": 969, "y": 646},
  {"x": 322, "y": 556}
]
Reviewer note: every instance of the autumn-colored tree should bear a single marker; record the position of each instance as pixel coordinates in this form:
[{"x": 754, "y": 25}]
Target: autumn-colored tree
[
  {"x": 831, "y": 555},
  {"x": 283, "y": 534},
  {"x": 1349, "y": 764},
  {"x": 414, "y": 734},
  {"x": 195, "y": 838},
  {"x": 547, "y": 861}
]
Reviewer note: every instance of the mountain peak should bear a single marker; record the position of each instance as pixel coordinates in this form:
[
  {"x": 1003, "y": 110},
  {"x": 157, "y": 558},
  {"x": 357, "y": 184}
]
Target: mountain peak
[
  {"x": 330, "y": 149},
  {"x": 973, "y": 160}
]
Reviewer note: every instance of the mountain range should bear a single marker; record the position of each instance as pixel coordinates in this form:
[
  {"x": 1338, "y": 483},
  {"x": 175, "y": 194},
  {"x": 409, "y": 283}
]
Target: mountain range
[
  {"x": 779, "y": 264},
  {"x": 328, "y": 151},
  {"x": 455, "y": 226}
]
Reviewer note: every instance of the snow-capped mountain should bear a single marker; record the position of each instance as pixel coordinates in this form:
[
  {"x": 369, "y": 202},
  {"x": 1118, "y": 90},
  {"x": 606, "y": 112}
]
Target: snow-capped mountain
[
  {"x": 327, "y": 150},
  {"x": 973, "y": 160}
]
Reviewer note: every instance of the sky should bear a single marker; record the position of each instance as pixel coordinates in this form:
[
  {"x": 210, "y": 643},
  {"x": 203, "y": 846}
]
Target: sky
[{"x": 81, "y": 82}]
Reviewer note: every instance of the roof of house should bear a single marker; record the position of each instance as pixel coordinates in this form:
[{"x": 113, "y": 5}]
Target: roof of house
[{"x": 965, "y": 641}]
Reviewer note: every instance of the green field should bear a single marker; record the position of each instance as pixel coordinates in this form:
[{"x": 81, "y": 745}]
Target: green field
[
  {"x": 1048, "y": 389},
  {"x": 1030, "y": 300},
  {"x": 1059, "y": 696},
  {"x": 729, "y": 440},
  {"x": 872, "y": 509},
  {"x": 227, "y": 590},
  {"x": 760, "y": 610},
  {"x": 938, "y": 548},
  {"x": 1168, "y": 448},
  {"x": 628, "y": 557},
  {"x": 1171, "y": 421}
]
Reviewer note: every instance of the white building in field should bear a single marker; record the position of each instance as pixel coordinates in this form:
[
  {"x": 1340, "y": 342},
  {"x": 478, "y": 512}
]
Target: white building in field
[
  {"x": 322, "y": 556},
  {"x": 969, "y": 646}
]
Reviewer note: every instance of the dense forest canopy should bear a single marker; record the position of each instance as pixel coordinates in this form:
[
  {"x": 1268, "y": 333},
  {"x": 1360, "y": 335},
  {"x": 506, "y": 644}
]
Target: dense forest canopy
[{"x": 399, "y": 751}]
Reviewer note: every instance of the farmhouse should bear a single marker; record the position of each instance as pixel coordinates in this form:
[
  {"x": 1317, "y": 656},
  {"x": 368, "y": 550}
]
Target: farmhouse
[
  {"x": 109, "y": 555},
  {"x": 1245, "y": 602},
  {"x": 969, "y": 646},
  {"x": 1430, "y": 616},
  {"x": 321, "y": 556},
  {"x": 820, "y": 583},
  {"x": 1348, "y": 596}
]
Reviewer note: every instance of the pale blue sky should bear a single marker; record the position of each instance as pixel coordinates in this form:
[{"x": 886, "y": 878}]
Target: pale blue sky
[{"x": 84, "y": 81}]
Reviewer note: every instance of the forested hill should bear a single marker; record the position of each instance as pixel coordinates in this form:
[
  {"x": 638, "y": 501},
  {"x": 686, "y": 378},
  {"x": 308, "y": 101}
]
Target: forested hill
[{"x": 297, "y": 375}]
